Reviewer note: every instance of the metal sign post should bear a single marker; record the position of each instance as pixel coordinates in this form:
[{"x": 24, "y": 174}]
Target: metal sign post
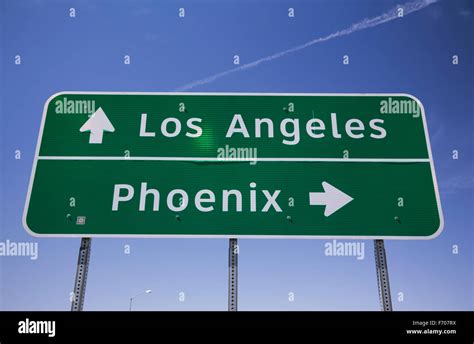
[
  {"x": 233, "y": 275},
  {"x": 382, "y": 276},
  {"x": 81, "y": 275}
]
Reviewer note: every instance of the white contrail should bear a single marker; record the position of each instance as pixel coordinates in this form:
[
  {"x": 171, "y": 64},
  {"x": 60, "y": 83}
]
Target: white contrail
[{"x": 408, "y": 8}]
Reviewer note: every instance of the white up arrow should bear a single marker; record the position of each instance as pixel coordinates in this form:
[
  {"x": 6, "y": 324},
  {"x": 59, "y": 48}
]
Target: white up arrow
[
  {"x": 97, "y": 124},
  {"x": 333, "y": 198}
]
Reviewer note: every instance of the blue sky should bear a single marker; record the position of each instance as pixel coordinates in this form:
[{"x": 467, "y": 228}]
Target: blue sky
[{"x": 410, "y": 55}]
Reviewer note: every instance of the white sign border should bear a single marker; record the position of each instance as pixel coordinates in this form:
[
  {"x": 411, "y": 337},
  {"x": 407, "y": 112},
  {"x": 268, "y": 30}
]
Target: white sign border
[{"x": 237, "y": 236}]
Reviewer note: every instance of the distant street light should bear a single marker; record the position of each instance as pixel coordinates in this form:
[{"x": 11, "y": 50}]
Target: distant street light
[{"x": 131, "y": 299}]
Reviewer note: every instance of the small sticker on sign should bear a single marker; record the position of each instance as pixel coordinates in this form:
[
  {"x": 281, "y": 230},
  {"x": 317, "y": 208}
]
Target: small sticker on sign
[{"x": 81, "y": 220}]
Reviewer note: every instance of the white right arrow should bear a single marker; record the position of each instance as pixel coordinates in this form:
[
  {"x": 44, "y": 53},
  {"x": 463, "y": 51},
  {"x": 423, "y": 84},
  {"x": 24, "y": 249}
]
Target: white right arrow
[{"x": 333, "y": 198}]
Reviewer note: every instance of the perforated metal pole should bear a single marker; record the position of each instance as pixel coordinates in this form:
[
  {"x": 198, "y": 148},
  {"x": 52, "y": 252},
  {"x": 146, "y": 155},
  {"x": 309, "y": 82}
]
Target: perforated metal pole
[
  {"x": 382, "y": 276},
  {"x": 81, "y": 275},
  {"x": 233, "y": 276}
]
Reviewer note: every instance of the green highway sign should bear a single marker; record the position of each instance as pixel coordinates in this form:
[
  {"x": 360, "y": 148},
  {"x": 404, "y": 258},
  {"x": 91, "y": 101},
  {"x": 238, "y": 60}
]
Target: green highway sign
[{"x": 233, "y": 165}]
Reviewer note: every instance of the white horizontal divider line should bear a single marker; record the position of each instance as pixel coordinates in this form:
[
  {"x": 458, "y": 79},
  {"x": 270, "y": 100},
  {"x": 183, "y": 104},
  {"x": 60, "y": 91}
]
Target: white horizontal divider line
[{"x": 202, "y": 159}]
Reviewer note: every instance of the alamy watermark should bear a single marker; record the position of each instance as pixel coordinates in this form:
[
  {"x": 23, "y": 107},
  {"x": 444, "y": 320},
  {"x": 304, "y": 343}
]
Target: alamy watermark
[
  {"x": 68, "y": 106},
  {"x": 19, "y": 249},
  {"x": 400, "y": 106},
  {"x": 336, "y": 248},
  {"x": 28, "y": 326},
  {"x": 228, "y": 153}
]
